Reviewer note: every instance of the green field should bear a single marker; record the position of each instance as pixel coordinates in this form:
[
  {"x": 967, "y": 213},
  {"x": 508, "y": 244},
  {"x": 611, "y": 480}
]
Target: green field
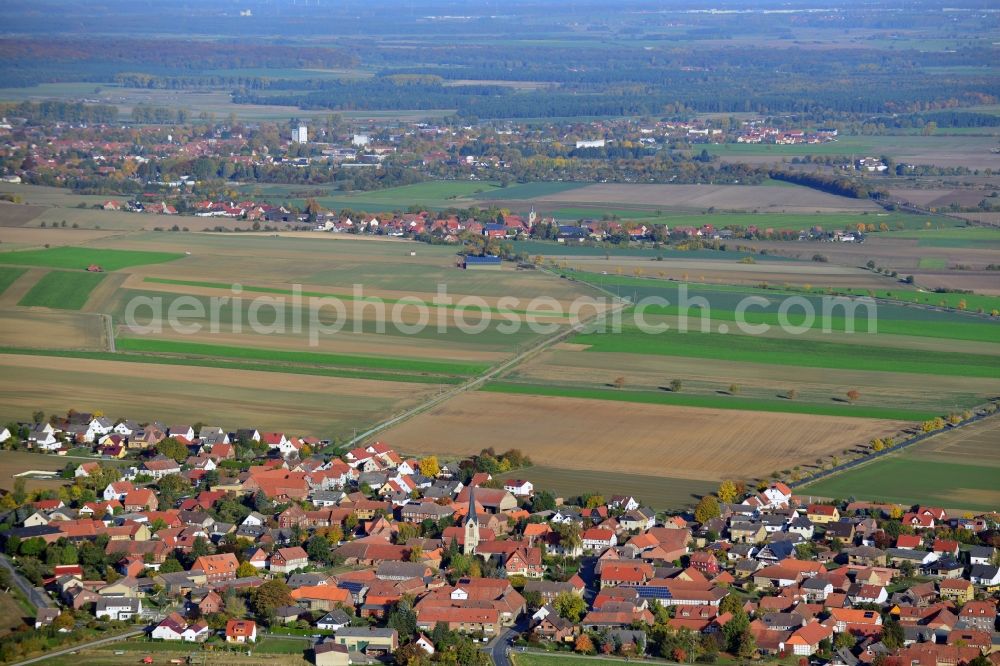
[
  {"x": 909, "y": 480},
  {"x": 82, "y": 257},
  {"x": 204, "y": 362},
  {"x": 382, "y": 363},
  {"x": 958, "y": 237},
  {"x": 711, "y": 401},
  {"x": 932, "y": 263},
  {"x": 528, "y": 191},
  {"x": 8, "y": 275},
  {"x": 956, "y": 468},
  {"x": 893, "y": 319},
  {"x": 63, "y": 290},
  {"x": 798, "y": 352}
]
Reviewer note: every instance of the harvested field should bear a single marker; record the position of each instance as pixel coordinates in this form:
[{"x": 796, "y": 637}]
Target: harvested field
[
  {"x": 16, "y": 215},
  {"x": 976, "y": 444},
  {"x": 940, "y": 198},
  {"x": 681, "y": 442},
  {"x": 16, "y": 462},
  {"x": 720, "y": 197},
  {"x": 731, "y": 272},
  {"x": 50, "y": 329},
  {"x": 24, "y": 237},
  {"x": 310, "y": 405},
  {"x": 899, "y": 250}
]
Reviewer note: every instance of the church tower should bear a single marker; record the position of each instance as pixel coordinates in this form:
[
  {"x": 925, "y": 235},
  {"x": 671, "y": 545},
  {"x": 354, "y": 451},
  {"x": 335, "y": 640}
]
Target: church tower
[{"x": 471, "y": 525}]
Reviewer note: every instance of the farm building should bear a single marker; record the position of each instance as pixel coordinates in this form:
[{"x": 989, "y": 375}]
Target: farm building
[{"x": 481, "y": 263}]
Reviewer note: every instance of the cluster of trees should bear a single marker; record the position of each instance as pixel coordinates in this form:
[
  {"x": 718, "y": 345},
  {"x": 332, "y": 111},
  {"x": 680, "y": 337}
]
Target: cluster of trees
[
  {"x": 492, "y": 462},
  {"x": 839, "y": 185},
  {"x": 54, "y": 111},
  {"x": 147, "y": 113},
  {"x": 452, "y": 648}
]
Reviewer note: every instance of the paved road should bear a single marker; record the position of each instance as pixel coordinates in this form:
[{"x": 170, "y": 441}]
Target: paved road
[
  {"x": 83, "y": 646},
  {"x": 36, "y": 596},
  {"x": 500, "y": 647}
]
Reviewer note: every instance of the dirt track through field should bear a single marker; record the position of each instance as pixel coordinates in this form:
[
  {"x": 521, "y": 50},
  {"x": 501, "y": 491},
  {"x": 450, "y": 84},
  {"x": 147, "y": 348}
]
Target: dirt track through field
[
  {"x": 680, "y": 442},
  {"x": 21, "y": 286}
]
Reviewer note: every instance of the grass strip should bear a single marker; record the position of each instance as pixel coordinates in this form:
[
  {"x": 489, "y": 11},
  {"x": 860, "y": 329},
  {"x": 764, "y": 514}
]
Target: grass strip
[
  {"x": 235, "y": 365},
  {"x": 710, "y": 401}
]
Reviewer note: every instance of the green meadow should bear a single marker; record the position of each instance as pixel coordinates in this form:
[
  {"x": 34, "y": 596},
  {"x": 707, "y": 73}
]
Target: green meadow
[
  {"x": 63, "y": 290},
  {"x": 82, "y": 257}
]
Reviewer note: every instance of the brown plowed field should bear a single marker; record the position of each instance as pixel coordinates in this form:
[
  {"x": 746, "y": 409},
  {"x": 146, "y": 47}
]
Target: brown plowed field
[{"x": 678, "y": 442}]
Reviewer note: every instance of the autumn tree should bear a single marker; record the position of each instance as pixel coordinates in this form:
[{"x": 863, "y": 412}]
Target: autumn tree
[
  {"x": 791, "y": 394},
  {"x": 271, "y": 595},
  {"x": 584, "y": 645},
  {"x": 707, "y": 509},
  {"x": 570, "y": 606},
  {"x": 727, "y": 492},
  {"x": 619, "y": 382},
  {"x": 429, "y": 466},
  {"x": 853, "y": 395},
  {"x": 64, "y": 620},
  {"x": 747, "y": 646},
  {"x": 245, "y": 570}
]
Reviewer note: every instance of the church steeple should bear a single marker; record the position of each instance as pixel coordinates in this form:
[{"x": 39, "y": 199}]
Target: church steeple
[{"x": 471, "y": 540}]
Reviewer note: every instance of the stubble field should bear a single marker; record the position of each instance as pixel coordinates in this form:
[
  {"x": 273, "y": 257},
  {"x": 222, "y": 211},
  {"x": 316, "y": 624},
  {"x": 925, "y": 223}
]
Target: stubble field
[
  {"x": 720, "y": 197},
  {"x": 679, "y": 442},
  {"x": 297, "y": 403}
]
